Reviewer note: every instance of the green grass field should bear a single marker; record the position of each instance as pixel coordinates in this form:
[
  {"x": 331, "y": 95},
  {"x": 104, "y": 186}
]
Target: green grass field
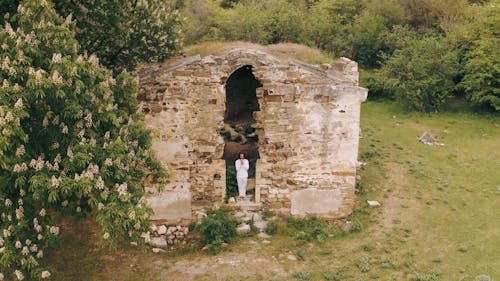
[{"x": 439, "y": 219}]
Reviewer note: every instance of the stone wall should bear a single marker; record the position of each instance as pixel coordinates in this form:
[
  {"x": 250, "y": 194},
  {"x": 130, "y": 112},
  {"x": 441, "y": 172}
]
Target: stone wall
[{"x": 308, "y": 129}]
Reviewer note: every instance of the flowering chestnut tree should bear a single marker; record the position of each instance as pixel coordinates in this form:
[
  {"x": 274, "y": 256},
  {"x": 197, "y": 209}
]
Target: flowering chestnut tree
[{"x": 71, "y": 141}]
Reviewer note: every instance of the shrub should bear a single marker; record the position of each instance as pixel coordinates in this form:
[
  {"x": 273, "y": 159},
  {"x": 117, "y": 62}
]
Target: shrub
[
  {"x": 357, "y": 226},
  {"x": 429, "y": 276},
  {"x": 231, "y": 183},
  {"x": 217, "y": 228},
  {"x": 481, "y": 79},
  {"x": 311, "y": 229},
  {"x": 272, "y": 227},
  {"x": 421, "y": 73},
  {"x": 364, "y": 264}
]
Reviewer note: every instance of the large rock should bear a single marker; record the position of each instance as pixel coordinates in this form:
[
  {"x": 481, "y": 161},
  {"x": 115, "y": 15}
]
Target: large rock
[
  {"x": 243, "y": 228},
  {"x": 158, "y": 242}
]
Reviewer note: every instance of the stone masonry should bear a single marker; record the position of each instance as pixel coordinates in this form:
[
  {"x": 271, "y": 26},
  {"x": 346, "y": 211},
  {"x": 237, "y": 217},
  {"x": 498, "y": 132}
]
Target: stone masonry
[{"x": 307, "y": 126}]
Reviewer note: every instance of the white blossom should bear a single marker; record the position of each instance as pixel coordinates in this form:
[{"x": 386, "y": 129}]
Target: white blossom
[
  {"x": 57, "y": 78},
  {"x": 54, "y": 230},
  {"x": 19, "y": 103},
  {"x": 100, "y": 183},
  {"x": 45, "y": 121},
  {"x": 39, "y": 237},
  {"x": 6, "y": 233},
  {"x": 19, "y": 213},
  {"x": 25, "y": 251},
  {"x": 45, "y": 274},
  {"x": 43, "y": 212},
  {"x": 19, "y": 275},
  {"x": 108, "y": 162},
  {"x": 20, "y": 151},
  {"x": 100, "y": 206},
  {"x": 18, "y": 245},
  {"x": 69, "y": 152},
  {"x": 8, "y": 202},
  {"x": 106, "y": 236},
  {"x": 56, "y": 58},
  {"x": 54, "y": 182},
  {"x": 39, "y": 254}
]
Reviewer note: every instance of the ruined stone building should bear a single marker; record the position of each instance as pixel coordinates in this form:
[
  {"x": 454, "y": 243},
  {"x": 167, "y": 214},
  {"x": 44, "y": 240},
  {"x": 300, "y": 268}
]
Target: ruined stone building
[{"x": 299, "y": 128}]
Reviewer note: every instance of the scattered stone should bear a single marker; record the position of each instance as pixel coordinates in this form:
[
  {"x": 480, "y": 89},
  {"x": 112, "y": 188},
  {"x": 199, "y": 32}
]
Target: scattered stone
[
  {"x": 347, "y": 226},
  {"x": 162, "y": 229},
  {"x": 373, "y": 203},
  {"x": 171, "y": 229},
  {"x": 243, "y": 228},
  {"x": 267, "y": 242},
  {"x": 291, "y": 257},
  {"x": 483, "y": 277},
  {"x": 263, "y": 235},
  {"x": 231, "y": 200},
  {"x": 239, "y": 215},
  {"x": 256, "y": 217},
  {"x": 427, "y": 138},
  {"x": 158, "y": 242},
  {"x": 133, "y": 243},
  {"x": 260, "y": 225},
  {"x": 157, "y": 250}
]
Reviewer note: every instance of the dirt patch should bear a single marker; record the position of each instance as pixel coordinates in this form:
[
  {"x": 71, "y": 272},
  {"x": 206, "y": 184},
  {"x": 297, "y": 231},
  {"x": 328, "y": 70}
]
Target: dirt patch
[{"x": 397, "y": 208}]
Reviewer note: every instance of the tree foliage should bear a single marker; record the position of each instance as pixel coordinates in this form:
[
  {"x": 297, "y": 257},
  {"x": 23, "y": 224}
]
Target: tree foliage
[
  {"x": 124, "y": 33},
  {"x": 371, "y": 32},
  {"x": 421, "y": 73},
  {"x": 70, "y": 141}
]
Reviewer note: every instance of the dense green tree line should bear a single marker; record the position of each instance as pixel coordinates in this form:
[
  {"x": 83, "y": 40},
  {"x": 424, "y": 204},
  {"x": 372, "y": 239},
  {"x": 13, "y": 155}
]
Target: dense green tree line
[{"x": 420, "y": 52}]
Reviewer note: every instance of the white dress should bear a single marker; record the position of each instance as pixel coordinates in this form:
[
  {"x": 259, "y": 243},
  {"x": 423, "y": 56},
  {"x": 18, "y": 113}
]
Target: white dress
[{"x": 242, "y": 175}]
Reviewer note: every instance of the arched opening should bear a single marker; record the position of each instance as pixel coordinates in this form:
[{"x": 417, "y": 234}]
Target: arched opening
[{"x": 238, "y": 132}]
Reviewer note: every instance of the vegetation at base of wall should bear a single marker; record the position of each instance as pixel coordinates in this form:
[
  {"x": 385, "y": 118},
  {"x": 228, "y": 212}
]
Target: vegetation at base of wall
[
  {"x": 231, "y": 182},
  {"x": 420, "y": 53},
  {"x": 217, "y": 228}
]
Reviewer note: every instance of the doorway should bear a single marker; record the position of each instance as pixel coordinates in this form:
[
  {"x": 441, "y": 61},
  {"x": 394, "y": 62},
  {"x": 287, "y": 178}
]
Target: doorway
[{"x": 238, "y": 132}]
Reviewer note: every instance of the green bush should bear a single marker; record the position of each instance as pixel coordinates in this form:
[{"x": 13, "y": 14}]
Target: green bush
[
  {"x": 421, "y": 73},
  {"x": 357, "y": 226},
  {"x": 429, "y": 276},
  {"x": 364, "y": 264},
  {"x": 231, "y": 183},
  {"x": 481, "y": 79},
  {"x": 310, "y": 230},
  {"x": 217, "y": 228},
  {"x": 272, "y": 227}
]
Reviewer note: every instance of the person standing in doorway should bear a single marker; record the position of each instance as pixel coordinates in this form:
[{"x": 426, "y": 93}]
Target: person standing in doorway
[{"x": 242, "y": 166}]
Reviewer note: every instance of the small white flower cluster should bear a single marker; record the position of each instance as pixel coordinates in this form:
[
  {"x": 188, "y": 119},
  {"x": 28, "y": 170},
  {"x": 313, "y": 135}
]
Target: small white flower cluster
[
  {"x": 57, "y": 79},
  {"x": 37, "y": 164},
  {"x": 20, "y": 168}
]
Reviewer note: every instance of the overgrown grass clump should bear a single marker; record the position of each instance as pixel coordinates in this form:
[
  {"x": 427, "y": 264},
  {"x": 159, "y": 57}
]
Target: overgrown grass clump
[{"x": 217, "y": 228}]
